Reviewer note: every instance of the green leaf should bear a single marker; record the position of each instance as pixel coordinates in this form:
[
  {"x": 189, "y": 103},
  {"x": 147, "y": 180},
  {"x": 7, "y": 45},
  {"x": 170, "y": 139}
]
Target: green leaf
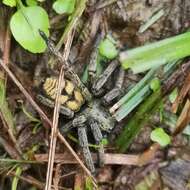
[
  {"x": 31, "y": 2},
  {"x": 155, "y": 84},
  {"x": 104, "y": 141},
  {"x": 160, "y": 136},
  {"x": 141, "y": 116},
  {"x": 173, "y": 95},
  {"x": 11, "y": 3},
  {"x": 88, "y": 184},
  {"x": 155, "y": 54},
  {"x": 64, "y": 6},
  {"x": 25, "y": 24},
  {"x": 107, "y": 48}
]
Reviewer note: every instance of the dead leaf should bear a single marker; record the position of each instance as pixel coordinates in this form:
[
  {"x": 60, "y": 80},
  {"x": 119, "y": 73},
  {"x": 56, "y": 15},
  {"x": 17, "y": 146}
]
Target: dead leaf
[
  {"x": 182, "y": 94},
  {"x": 183, "y": 119}
]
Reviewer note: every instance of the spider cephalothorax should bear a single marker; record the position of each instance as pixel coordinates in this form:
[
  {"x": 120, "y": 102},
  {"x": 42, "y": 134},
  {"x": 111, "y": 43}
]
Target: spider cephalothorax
[{"x": 84, "y": 115}]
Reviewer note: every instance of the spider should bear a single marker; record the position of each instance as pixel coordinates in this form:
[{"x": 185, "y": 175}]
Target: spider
[{"x": 83, "y": 114}]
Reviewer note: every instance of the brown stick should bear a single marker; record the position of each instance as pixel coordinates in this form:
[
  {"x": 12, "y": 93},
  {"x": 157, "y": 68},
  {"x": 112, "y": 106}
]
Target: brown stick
[
  {"x": 54, "y": 133},
  {"x": 109, "y": 159}
]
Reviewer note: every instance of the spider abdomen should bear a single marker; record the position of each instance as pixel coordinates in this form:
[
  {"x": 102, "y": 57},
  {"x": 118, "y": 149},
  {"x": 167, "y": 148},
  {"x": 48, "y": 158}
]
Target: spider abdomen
[{"x": 71, "y": 96}]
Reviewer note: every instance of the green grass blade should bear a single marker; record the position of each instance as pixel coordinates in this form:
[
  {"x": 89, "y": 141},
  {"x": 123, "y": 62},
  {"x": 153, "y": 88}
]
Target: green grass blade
[
  {"x": 141, "y": 116},
  {"x": 155, "y": 54},
  {"x": 133, "y": 103},
  {"x": 5, "y": 111},
  {"x": 16, "y": 178},
  {"x": 134, "y": 90},
  {"x": 13, "y": 161},
  {"x": 151, "y": 21},
  {"x": 137, "y": 94}
]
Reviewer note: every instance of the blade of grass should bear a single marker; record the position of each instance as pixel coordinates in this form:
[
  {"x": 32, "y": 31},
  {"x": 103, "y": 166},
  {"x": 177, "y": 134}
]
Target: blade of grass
[
  {"x": 158, "y": 53},
  {"x": 137, "y": 94},
  {"x": 136, "y": 122},
  {"x": 151, "y": 21},
  {"x": 16, "y": 178},
  {"x": 150, "y": 105},
  {"x": 134, "y": 90},
  {"x": 19, "y": 161},
  {"x": 6, "y": 113},
  {"x": 130, "y": 105}
]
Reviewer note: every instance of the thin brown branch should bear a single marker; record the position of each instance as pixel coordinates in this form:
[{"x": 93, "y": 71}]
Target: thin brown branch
[
  {"x": 6, "y": 117},
  {"x": 101, "y": 5},
  {"x": 10, "y": 149},
  {"x": 109, "y": 159},
  {"x": 68, "y": 174},
  {"x": 59, "y": 87},
  {"x": 54, "y": 132},
  {"x": 33, "y": 181},
  {"x": 183, "y": 92},
  {"x": 57, "y": 176},
  {"x": 183, "y": 119},
  {"x": 7, "y": 44}
]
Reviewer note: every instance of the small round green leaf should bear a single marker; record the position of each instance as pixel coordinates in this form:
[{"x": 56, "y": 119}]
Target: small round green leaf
[
  {"x": 160, "y": 136},
  {"x": 104, "y": 141},
  {"x": 64, "y": 6},
  {"x": 11, "y": 3},
  {"x": 107, "y": 49},
  {"x": 31, "y": 2},
  {"x": 155, "y": 84},
  {"x": 25, "y": 25}
]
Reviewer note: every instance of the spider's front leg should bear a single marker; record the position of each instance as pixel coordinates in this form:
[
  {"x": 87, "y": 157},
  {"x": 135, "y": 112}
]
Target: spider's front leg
[
  {"x": 68, "y": 113},
  {"x": 116, "y": 91},
  {"x": 98, "y": 85}
]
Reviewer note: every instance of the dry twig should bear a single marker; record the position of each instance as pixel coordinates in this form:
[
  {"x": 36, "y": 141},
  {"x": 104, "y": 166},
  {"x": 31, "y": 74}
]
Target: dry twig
[
  {"x": 109, "y": 159},
  {"x": 185, "y": 89},
  {"x": 183, "y": 119},
  {"x": 59, "y": 87}
]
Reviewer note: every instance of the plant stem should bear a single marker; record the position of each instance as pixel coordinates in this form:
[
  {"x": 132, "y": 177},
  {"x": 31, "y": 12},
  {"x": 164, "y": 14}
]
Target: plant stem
[
  {"x": 73, "y": 21},
  {"x": 16, "y": 178}
]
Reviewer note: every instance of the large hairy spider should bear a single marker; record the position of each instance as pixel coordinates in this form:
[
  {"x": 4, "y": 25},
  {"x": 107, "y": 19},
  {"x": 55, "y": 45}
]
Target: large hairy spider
[{"x": 82, "y": 111}]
